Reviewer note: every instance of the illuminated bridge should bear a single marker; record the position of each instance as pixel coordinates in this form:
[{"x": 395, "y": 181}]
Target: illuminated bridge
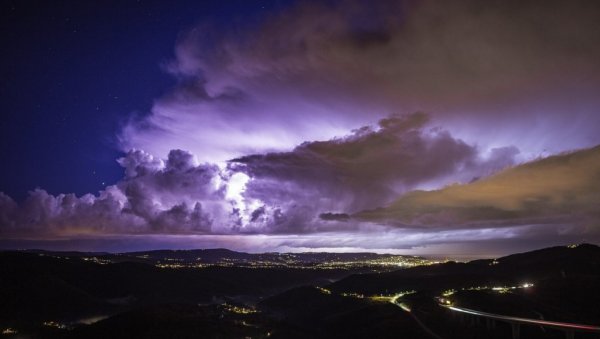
[{"x": 515, "y": 322}]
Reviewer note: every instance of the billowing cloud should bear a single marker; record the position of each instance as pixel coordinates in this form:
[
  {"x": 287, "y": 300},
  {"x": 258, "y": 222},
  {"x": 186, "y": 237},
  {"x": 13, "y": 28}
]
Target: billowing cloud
[
  {"x": 507, "y": 81},
  {"x": 560, "y": 191},
  {"x": 520, "y": 72},
  {"x": 288, "y": 192},
  {"x": 307, "y": 198},
  {"x": 156, "y": 196},
  {"x": 366, "y": 168}
]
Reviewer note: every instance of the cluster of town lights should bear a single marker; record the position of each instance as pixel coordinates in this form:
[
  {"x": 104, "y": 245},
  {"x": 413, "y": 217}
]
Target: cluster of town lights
[{"x": 445, "y": 301}]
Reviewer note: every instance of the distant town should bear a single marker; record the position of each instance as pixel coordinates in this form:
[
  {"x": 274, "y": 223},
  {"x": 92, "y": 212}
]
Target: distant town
[{"x": 177, "y": 259}]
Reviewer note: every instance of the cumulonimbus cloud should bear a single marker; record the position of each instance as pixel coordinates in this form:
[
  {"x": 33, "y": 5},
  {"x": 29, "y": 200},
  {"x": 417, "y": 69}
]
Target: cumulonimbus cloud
[
  {"x": 305, "y": 198},
  {"x": 156, "y": 196},
  {"x": 318, "y": 187},
  {"x": 507, "y": 80},
  {"x": 367, "y": 168},
  {"x": 288, "y": 192}
]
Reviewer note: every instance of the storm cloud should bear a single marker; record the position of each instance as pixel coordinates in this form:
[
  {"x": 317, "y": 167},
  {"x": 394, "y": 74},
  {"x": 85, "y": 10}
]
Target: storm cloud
[
  {"x": 288, "y": 192},
  {"x": 156, "y": 196},
  {"x": 367, "y": 168},
  {"x": 325, "y": 194},
  {"x": 318, "y": 70},
  {"x": 291, "y": 132}
]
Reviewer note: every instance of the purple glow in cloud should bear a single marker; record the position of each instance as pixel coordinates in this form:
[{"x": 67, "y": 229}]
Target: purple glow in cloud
[
  {"x": 271, "y": 193},
  {"x": 279, "y": 201},
  {"x": 511, "y": 73},
  {"x": 267, "y": 141}
]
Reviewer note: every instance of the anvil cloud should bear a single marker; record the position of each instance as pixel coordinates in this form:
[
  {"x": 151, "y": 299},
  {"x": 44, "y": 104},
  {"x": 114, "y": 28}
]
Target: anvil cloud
[{"x": 293, "y": 133}]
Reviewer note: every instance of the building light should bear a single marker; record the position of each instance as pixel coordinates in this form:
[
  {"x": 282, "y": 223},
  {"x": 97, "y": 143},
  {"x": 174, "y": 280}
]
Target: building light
[{"x": 9, "y": 331}]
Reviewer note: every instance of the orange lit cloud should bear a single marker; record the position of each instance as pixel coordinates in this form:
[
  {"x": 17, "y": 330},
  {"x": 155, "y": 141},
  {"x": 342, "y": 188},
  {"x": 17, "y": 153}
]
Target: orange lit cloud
[{"x": 561, "y": 189}]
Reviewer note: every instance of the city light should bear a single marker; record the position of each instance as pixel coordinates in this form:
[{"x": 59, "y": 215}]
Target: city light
[
  {"x": 238, "y": 309},
  {"x": 55, "y": 325},
  {"x": 9, "y": 330}
]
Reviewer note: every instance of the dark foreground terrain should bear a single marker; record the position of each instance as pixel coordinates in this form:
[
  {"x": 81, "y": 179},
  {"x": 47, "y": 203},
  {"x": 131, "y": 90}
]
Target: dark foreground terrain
[{"x": 212, "y": 294}]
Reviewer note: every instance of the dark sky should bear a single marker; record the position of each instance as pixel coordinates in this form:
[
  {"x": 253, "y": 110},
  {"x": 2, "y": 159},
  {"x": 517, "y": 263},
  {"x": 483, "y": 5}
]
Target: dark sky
[
  {"x": 73, "y": 72},
  {"x": 463, "y": 127}
]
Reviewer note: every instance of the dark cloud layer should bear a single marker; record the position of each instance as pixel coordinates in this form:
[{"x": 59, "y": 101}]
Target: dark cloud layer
[
  {"x": 364, "y": 169},
  {"x": 368, "y": 168}
]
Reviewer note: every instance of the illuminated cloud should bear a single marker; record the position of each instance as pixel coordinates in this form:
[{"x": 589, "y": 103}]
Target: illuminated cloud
[
  {"x": 266, "y": 139},
  {"x": 496, "y": 74},
  {"x": 290, "y": 192},
  {"x": 156, "y": 196},
  {"x": 364, "y": 169},
  {"x": 560, "y": 191},
  {"x": 306, "y": 199}
]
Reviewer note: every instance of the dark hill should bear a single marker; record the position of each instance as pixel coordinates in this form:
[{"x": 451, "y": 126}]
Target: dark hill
[
  {"x": 535, "y": 266},
  {"x": 39, "y": 288},
  {"x": 314, "y": 313}
]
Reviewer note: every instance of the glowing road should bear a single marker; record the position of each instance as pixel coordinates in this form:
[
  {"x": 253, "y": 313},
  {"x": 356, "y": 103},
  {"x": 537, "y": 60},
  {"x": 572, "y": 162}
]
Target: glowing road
[{"x": 546, "y": 323}]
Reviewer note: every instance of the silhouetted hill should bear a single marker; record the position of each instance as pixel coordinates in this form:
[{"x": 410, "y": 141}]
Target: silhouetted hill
[
  {"x": 514, "y": 269},
  {"x": 317, "y": 314},
  {"x": 39, "y": 288},
  {"x": 220, "y": 256},
  {"x": 223, "y": 255},
  {"x": 139, "y": 299},
  {"x": 176, "y": 321},
  {"x": 206, "y": 255},
  {"x": 308, "y": 304}
]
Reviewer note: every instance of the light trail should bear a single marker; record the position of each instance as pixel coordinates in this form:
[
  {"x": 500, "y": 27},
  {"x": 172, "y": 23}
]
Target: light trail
[{"x": 555, "y": 324}]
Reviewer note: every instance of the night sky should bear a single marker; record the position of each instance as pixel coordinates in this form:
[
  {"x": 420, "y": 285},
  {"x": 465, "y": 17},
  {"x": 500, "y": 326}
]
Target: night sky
[{"x": 448, "y": 128}]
